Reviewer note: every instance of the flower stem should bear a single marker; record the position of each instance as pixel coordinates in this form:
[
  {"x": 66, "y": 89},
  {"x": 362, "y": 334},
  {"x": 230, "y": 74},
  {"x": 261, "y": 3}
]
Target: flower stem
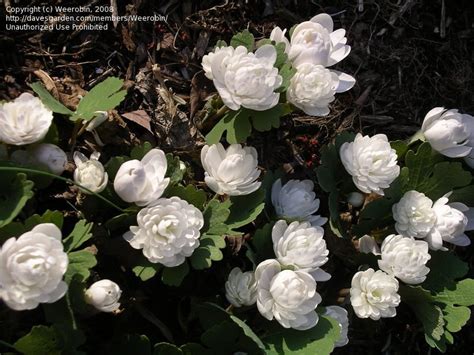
[
  {"x": 8, "y": 345},
  {"x": 69, "y": 181}
]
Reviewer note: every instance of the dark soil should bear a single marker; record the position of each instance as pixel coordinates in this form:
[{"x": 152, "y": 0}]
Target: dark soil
[{"x": 408, "y": 56}]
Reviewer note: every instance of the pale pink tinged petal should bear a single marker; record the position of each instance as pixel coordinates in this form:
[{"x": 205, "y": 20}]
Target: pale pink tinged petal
[
  {"x": 457, "y": 151},
  {"x": 431, "y": 116},
  {"x": 268, "y": 52},
  {"x": 79, "y": 158},
  {"x": 337, "y": 36},
  {"x": 49, "y": 229},
  {"x": 320, "y": 275},
  {"x": 346, "y": 82},
  {"x": 338, "y": 54},
  {"x": 324, "y": 20}
]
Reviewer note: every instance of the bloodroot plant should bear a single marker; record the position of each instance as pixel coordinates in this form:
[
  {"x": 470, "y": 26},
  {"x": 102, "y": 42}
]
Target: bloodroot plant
[{"x": 409, "y": 202}]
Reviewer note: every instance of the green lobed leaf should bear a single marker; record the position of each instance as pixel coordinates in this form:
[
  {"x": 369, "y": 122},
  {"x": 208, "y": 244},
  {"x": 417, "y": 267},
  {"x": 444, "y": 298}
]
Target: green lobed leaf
[
  {"x": 426, "y": 172},
  {"x": 61, "y": 314},
  {"x": 121, "y": 221},
  {"x": 331, "y": 175},
  {"x": 438, "y": 311},
  {"x": 190, "y": 193},
  {"x": 48, "y": 216},
  {"x": 139, "y": 151},
  {"x": 15, "y": 229},
  {"x": 174, "y": 276},
  {"x": 262, "y": 242},
  {"x": 286, "y": 72},
  {"x": 215, "y": 215},
  {"x": 226, "y": 333},
  {"x": 131, "y": 344},
  {"x": 445, "y": 268},
  {"x": 201, "y": 258},
  {"x": 113, "y": 165},
  {"x": 455, "y": 317},
  {"x": 378, "y": 213},
  {"x": 102, "y": 97},
  {"x": 238, "y": 124},
  {"x": 401, "y": 147},
  {"x": 166, "y": 349},
  {"x": 174, "y": 171},
  {"x": 48, "y": 100},
  {"x": 235, "y": 123},
  {"x": 462, "y": 294},
  {"x": 438, "y": 344},
  {"x": 145, "y": 270},
  {"x": 52, "y": 136},
  {"x": 79, "y": 235},
  {"x": 429, "y": 314},
  {"x": 220, "y": 43},
  {"x": 264, "y": 121},
  {"x": 244, "y": 38},
  {"x": 464, "y": 195},
  {"x": 41, "y": 340},
  {"x": 15, "y": 191},
  {"x": 282, "y": 57},
  {"x": 80, "y": 263},
  {"x": 317, "y": 340},
  {"x": 222, "y": 338},
  {"x": 245, "y": 209},
  {"x": 249, "y": 333}
]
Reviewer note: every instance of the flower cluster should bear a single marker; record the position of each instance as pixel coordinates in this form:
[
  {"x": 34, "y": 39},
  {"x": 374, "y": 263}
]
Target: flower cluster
[
  {"x": 250, "y": 80},
  {"x": 374, "y": 293},
  {"x": 232, "y": 226},
  {"x": 314, "y": 46},
  {"x": 285, "y": 288},
  {"x": 417, "y": 216}
]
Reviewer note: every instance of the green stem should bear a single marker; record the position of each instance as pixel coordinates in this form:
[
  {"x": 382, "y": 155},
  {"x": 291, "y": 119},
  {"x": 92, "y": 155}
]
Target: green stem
[
  {"x": 416, "y": 137},
  {"x": 8, "y": 345},
  {"x": 69, "y": 181}
]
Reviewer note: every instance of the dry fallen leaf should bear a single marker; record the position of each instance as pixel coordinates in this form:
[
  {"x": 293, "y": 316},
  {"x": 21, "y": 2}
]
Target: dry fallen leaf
[{"x": 140, "y": 117}]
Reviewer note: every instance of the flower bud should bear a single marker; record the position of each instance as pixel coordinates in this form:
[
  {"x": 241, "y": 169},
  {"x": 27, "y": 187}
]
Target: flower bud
[
  {"x": 356, "y": 199},
  {"x": 100, "y": 118},
  {"x": 142, "y": 182},
  {"x": 447, "y": 132},
  {"x": 90, "y": 173},
  {"x": 368, "y": 245},
  {"x": 241, "y": 288},
  {"x": 46, "y": 155},
  {"x": 104, "y": 295}
]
